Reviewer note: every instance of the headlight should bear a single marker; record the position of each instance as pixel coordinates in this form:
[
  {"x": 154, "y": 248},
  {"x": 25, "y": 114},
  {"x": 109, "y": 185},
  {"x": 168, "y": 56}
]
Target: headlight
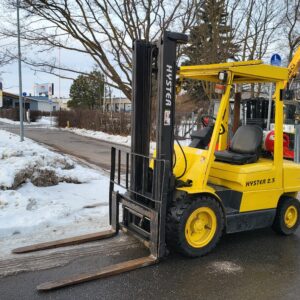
[{"x": 223, "y": 76}]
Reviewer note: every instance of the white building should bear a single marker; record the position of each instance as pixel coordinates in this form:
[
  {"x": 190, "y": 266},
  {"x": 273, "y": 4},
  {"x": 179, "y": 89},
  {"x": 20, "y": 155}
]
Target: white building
[
  {"x": 118, "y": 104},
  {"x": 63, "y": 102},
  {"x": 30, "y": 102}
]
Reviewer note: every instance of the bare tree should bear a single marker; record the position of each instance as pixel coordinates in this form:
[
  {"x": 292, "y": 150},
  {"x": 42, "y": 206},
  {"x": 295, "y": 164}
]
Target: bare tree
[
  {"x": 5, "y": 55},
  {"x": 291, "y": 29},
  {"x": 102, "y": 29},
  {"x": 257, "y": 26},
  {"x": 5, "y": 59},
  {"x": 259, "y": 21}
]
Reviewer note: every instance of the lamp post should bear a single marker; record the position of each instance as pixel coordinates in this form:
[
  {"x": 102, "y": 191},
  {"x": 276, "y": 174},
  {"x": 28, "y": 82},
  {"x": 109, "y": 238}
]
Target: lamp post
[{"x": 20, "y": 75}]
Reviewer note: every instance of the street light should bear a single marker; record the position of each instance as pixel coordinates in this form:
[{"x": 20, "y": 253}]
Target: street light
[{"x": 20, "y": 75}]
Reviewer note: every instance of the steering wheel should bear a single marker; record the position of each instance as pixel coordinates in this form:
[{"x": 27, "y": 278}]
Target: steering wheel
[{"x": 206, "y": 120}]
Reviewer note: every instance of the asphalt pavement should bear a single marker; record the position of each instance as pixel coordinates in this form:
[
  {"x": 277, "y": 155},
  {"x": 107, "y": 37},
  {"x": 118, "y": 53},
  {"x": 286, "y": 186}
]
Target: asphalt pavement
[
  {"x": 250, "y": 265},
  {"x": 91, "y": 150}
]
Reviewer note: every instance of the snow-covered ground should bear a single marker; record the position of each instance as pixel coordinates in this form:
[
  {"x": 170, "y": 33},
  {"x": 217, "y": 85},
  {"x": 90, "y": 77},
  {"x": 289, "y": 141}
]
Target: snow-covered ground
[
  {"x": 117, "y": 139},
  {"x": 46, "y": 121},
  {"x": 99, "y": 135},
  {"x": 29, "y": 202},
  {"x": 49, "y": 121},
  {"x": 26, "y": 160},
  {"x": 45, "y": 195}
]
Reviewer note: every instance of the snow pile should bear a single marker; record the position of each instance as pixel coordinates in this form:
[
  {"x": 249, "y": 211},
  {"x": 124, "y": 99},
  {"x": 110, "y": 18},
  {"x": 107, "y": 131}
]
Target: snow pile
[
  {"x": 9, "y": 121},
  {"x": 20, "y": 161},
  {"x": 99, "y": 135},
  {"x": 116, "y": 139},
  {"x": 30, "y": 208},
  {"x": 46, "y": 121},
  {"x": 50, "y": 121}
]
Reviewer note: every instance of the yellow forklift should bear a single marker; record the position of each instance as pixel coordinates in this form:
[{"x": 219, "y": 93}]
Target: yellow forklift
[
  {"x": 186, "y": 198},
  {"x": 235, "y": 188}
]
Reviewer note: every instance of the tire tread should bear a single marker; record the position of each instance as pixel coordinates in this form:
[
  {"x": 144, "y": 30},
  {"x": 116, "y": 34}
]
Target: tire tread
[
  {"x": 175, "y": 236},
  {"x": 278, "y": 225}
]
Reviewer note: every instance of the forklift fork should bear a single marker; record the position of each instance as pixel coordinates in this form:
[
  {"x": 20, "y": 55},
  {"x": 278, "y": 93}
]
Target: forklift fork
[
  {"x": 103, "y": 273},
  {"x": 66, "y": 242},
  {"x": 129, "y": 208}
]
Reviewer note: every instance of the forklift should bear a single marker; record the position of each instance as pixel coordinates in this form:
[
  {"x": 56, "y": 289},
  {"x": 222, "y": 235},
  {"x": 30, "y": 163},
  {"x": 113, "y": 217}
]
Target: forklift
[{"x": 184, "y": 198}]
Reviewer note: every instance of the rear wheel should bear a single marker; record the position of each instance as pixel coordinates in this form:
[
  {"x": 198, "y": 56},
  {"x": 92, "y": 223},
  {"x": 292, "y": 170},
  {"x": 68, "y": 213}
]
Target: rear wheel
[
  {"x": 194, "y": 225},
  {"x": 287, "y": 216}
]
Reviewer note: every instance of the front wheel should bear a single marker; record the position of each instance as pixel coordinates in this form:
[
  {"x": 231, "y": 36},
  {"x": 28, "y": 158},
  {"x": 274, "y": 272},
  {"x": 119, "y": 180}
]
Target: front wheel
[
  {"x": 287, "y": 216},
  {"x": 194, "y": 225}
]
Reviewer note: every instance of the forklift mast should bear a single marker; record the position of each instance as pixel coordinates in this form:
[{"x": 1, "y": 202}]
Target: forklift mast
[
  {"x": 149, "y": 59},
  {"x": 159, "y": 60}
]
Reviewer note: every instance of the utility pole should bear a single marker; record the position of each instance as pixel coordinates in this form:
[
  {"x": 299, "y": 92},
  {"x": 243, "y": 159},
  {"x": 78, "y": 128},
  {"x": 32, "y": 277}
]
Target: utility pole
[
  {"x": 59, "y": 71},
  {"x": 104, "y": 94},
  {"x": 20, "y": 75}
]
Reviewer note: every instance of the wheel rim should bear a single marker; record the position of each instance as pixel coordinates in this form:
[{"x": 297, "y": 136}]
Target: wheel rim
[
  {"x": 200, "y": 227},
  {"x": 291, "y": 216}
]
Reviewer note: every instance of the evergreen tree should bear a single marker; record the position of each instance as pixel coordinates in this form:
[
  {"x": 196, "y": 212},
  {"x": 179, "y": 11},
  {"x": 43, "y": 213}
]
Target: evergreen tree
[
  {"x": 211, "y": 41},
  {"x": 87, "y": 91}
]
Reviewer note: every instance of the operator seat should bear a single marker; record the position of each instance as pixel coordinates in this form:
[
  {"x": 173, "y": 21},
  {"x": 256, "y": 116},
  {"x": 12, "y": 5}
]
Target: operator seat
[{"x": 245, "y": 146}]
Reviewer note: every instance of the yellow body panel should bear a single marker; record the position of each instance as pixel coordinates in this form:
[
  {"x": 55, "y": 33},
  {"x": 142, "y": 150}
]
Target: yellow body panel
[
  {"x": 260, "y": 184},
  {"x": 294, "y": 65},
  {"x": 260, "y": 199},
  {"x": 256, "y": 181},
  {"x": 245, "y": 177},
  {"x": 291, "y": 176},
  {"x": 244, "y": 72},
  {"x": 260, "y": 72}
]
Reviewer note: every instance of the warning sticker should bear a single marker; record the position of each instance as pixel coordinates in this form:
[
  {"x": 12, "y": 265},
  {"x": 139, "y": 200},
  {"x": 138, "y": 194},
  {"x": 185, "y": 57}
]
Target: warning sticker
[{"x": 167, "y": 118}]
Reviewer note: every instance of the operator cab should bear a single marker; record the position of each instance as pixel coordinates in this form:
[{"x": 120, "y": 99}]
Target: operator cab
[{"x": 244, "y": 148}]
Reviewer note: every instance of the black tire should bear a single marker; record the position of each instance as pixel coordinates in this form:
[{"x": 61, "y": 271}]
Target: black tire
[
  {"x": 177, "y": 217},
  {"x": 280, "y": 224}
]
